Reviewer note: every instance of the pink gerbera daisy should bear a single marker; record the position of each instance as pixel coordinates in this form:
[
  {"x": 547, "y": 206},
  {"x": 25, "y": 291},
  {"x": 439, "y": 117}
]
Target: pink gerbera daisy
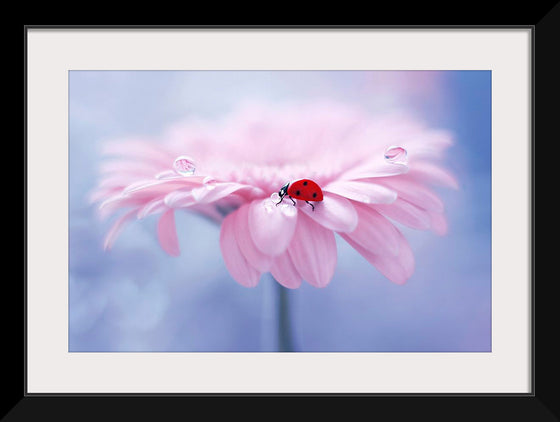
[{"x": 373, "y": 172}]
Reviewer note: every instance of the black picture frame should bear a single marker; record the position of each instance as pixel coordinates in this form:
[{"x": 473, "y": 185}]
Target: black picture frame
[{"x": 539, "y": 405}]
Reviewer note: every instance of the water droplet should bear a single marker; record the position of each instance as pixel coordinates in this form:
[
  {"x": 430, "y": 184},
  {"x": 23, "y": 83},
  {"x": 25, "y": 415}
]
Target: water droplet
[
  {"x": 396, "y": 155},
  {"x": 184, "y": 165},
  {"x": 210, "y": 182},
  {"x": 275, "y": 197}
]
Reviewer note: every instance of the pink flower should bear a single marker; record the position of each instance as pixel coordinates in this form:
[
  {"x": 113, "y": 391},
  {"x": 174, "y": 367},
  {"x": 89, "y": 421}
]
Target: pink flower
[{"x": 373, "y": 172}]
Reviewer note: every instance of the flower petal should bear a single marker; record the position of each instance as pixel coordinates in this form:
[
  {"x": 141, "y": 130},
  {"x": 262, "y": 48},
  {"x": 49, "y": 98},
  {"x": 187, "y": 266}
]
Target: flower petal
[
  {"x": 284, "y": 271},
  {"x": 313, "y": 252},
  {"x": 162, "y": 186},
  {"x": 415, "y": 193},
  {"x": 430, "y": 173},
  {"x": 152, "y": 207},
  {"x": 438, "y": 223},
  {"x": 375, "y": 167},
  {"x": 254, "y": 256},
  {"x": 115, "y": 203},
  {"x": 397, "y": 269},
  {"x": 374, "y": 232},
  {"x": 369, "y": 193},
  {"x": 102, "y": 193},
  {"x": 235, "y": 262},
  {"x": 167, "y": 174},
  {"x": 271, "y": 227},
  {"x": 405, "y": 213},
  {"x": 116, "y": 229},
  {"x": 213, "y": 192},
  {"x": 167, "y": 233},
  {"x": 179, "y": 199},
  {"x": 210, "y": 211},
  {"x": 334, "y": 213}
]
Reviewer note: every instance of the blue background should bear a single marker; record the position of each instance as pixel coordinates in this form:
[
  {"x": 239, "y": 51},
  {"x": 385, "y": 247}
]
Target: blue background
[{"x": 137, "y": 298}]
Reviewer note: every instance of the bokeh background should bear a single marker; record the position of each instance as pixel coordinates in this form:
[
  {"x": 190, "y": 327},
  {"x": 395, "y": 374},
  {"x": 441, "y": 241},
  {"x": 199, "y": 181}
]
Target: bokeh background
[{"x": 137, "y": 298}]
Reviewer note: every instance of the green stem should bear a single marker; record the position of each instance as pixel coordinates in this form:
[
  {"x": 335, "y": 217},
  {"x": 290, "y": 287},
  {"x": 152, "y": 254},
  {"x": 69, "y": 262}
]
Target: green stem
[{"x": 285, "y": 333}]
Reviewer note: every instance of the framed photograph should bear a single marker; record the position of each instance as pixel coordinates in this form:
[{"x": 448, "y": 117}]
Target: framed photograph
[{"x": 279, "y": 211}]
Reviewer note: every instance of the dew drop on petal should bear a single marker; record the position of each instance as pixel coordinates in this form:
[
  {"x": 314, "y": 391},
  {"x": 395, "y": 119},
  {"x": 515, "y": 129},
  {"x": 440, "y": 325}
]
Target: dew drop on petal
[
  {"x": 275, "y": 197},
  {"x": 209, "y": 182},
  {"x": 184, "y": 165},
  {"x": 396, "y": 155}
]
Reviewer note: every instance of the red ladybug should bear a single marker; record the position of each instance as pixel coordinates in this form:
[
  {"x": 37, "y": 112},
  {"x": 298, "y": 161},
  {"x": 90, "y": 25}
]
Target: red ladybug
[{"x": 304, "y": 189}]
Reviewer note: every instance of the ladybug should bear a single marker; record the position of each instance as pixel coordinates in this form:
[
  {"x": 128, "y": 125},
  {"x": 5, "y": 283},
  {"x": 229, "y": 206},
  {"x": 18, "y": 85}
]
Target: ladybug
[{"x": 304, "y": 189}]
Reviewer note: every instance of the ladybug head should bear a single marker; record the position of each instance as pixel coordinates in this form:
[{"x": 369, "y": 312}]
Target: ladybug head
[{"x": 282, "y": 192}]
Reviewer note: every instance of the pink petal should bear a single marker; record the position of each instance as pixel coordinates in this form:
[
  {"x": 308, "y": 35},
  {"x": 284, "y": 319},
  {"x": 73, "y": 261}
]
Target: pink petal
[
  {"x": 397, "y": 269},
  {"x": 313, "y": 252},
  {"x": 374, "y": 232},
  {"x": 284, "y": 271},
  {"x": 415, "y": 193},
  {"x": 369, "y": 193},
  {"x": 256, "y": 258},
  {"x": 152, "y": 207},
  {"x": 179, "y": 199},
  {"x": 167, "y": 174},
  {"x": 374, "y": 167},
  {"x": 438, "y": 223},
  {"x": 430, "y": 173},
  {"x": 333, "y": 212},
  {"x": 405, "y": 213},
  {"x": 210, "y": 193},
  {"x": 116, "y": 203},
  {"x": 430, "y": 144},
  {"x": 271, "y": 227},
  {"x": 209, "y": 211},
  {"x": 116, "y": 229},
  {"x": 102, "y": 193},
  {"x": 162, "y": 186},
  {"x": 167, "y": 233},
  {"x": 235, "y": 262}
]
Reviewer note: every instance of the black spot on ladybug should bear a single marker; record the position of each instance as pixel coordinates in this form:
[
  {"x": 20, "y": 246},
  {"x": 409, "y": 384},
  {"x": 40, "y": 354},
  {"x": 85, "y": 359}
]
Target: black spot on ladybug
[
  {"x": 298, "y": 192},
  {"x": 304, "y": 183},
  {"x": 314, "y": 194}
]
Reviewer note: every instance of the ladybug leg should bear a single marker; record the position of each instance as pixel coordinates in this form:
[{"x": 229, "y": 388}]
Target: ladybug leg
[
  {"x": 312, "y": 206},
  {"x": 292, "y": 199},
  {"x": 278, "y": 203}
]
